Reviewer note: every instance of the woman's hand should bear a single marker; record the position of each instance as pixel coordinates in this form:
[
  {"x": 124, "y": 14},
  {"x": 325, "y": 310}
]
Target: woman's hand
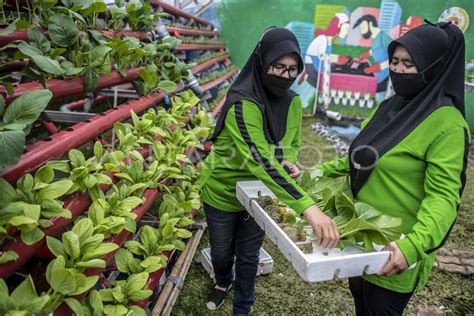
[
  {"x": 324, "y": 227},
  {"x": 295, "y": 171},
  {"x": 397, "y": 262}
]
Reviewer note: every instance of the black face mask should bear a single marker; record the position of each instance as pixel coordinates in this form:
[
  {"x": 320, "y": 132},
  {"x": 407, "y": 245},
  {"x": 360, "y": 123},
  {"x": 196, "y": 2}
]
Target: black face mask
[
  {"x": 407, "y": 85},
  {"x": 277, "y": 85}
]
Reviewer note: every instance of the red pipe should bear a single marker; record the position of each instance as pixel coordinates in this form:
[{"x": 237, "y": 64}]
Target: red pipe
[
  {"x": 49, "y": 127},
  {"x": 177, "y": 12},
  {"x": 73, "y": 86},
  {"x": 218, "y": 81},
  {"x": 218, "y": 107},
  {"x": 60, "y": 143},
  {"x": 209, "y": 63},
  {"x": 183, "y": 31},
  {"x": 186, "y": 47}
]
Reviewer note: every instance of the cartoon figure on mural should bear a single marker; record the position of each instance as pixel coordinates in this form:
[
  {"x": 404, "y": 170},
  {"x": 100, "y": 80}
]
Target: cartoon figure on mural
[
  {"x": 369, "y": 29},
  {"x": 318, "y": 57}
]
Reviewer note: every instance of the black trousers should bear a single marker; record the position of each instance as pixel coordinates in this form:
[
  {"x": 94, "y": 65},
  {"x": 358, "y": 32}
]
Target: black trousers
[{"x": 371, "y": 299}]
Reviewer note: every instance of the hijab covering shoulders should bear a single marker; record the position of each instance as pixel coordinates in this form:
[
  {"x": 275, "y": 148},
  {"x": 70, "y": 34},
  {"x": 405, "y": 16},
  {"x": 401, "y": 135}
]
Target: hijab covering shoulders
[
  {"x": 438, "y": 52},
  {"x": 249, "y": 85}
]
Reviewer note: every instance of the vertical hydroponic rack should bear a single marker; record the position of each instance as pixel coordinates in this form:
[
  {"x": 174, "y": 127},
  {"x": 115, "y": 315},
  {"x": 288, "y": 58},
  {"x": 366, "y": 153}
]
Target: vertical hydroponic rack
[{"x": 114, "y": 114}]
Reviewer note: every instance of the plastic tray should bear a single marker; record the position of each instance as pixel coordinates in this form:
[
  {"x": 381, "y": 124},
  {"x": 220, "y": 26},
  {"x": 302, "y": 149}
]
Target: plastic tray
[
  {"x": 265, "y": 264},
  {"x": 321, "y": 265}
]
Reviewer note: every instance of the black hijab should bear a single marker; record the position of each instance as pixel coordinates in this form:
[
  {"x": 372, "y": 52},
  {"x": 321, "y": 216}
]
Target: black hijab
[
  {"x": 250, "y": 85},
  {"x": 438, "y": 53}
]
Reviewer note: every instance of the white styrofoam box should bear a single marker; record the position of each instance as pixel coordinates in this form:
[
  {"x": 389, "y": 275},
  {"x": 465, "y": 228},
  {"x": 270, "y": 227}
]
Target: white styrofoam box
[
  {"x": 265, "y": 264},
  {"x": 322, "y": 264}
]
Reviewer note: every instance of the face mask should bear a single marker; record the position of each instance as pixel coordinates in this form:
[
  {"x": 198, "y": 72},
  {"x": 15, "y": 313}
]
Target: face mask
[
  {"x": 279, "y": 86},
  {"x": 407, "y": 85}
]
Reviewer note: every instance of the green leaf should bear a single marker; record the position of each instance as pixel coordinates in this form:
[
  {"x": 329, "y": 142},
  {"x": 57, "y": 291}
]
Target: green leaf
[
  {"x": 27, "y": 108},
  {"x": 97, "y": 55},
  {"x": 48, "y": 65},
  {"x": 62, "y": 30},
  {"x": 71, "y": 244},
  {"x": 61, "y": 165},
  {"x": 69, "y": 68},
  {"x": 115, "y": 310},
  {"x": 137, "y": 311},
  {"x": 99, "y": 251},
  {"x": 54, "y": 190},
  {"x": 25, "y": 183},
  {"x": 389, "y": 226},
  {"x": 92, "y": 243},
  {"x": 122, "y": 258},
  {"x": 84, "y": 228},
  {"x": 12, "y": 144},
  {"x": 63, "y": 281},
  {"x": 20, "y": 220},
  {"x": 85, "y": 284},
  {"x": 77, "y": 158},
  {"x": 8, "y": 256},
  {"x": 136, "y": 282},
  {"x": 167, "y": 86},
  {"x": 102, "y": 178},
  {"x": 95, "y": 301},
  {"x": 54, "y": 266},
  {"x": 75, "y": 306},
  {"x": 29, "y": 50},
  {"x": 90, "y": 181},
  {"x": 94, "y": 263},
  {"x": 7, "y": 192},
  {"x": 39, "y": 40},
  {"x": 365, "y": 211},
  {"x": 148, "y": 237},
  {"x": 25, "y": 292},
  {"x": 44, "y": 174},
  {"x": 152, "y": 264},
  {"x": 140, "y": 295},
  {"x": 98, "y": 151},
  {"x": 344, "y": 206},
  {"x": 37, "y": 304},
  {"x": 91, "y": 79},
  {"x": 183, "y": 233},
  {"x": 55, "y": 246}
]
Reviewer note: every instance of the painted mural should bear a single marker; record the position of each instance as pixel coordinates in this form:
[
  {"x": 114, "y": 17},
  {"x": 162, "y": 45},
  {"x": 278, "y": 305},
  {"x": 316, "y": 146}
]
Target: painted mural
[{"x": 344, "y": 43}]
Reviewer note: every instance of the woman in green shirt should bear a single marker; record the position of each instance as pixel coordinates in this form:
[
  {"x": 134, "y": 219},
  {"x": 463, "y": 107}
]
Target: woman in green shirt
[
  {"x": 256, "y": 136},
  {"x": 409, "y": 161}
]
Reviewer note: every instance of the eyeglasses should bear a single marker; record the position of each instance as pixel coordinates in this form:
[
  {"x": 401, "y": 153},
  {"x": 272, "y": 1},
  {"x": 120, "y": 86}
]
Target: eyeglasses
[{"x": 279, "y": 70}]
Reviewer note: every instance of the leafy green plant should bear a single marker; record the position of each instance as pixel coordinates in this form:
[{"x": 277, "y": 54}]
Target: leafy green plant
[
  {"x": 359, "y": 223},
  {"x": 152, "y": 82},
  {"x": 16, "y": 121},
  {"x": 87, "y": 174},
  {"x": 113, "y": 213},
  {"x": 24, "y": 300},
  {"x": 116, "y": 300},
  {"x": 33, "y": 203},
  {"x": 79, "y": 249}
]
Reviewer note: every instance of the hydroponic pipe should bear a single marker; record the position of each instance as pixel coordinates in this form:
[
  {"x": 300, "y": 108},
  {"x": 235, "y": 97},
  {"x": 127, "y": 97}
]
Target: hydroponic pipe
[
  {"x": 183, "y": 31},
  {"x": 60, "y": 143},
  {"x": 187, "y": 47},
  {"x": 218, "y": 107},
  {"x": 218, "y": 81},
  {"x": 180, "y": 13},
  {"x": 209, "y": 63},
  {"x": 73, "y": 86}
]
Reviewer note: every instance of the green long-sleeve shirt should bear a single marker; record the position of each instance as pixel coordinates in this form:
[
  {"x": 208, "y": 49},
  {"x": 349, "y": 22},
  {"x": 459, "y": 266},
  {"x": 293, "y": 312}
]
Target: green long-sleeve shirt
[
  {"x": 420, "y": 181},
  {"x": 242, "y": 153}
]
